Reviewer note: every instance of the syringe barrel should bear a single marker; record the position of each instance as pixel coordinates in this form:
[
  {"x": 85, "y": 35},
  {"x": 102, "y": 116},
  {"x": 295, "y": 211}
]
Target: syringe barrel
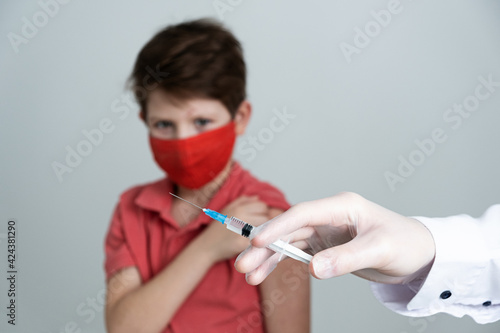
[
  {"x": 238, "y": 226},
  {"x": 244, "y": 229}
]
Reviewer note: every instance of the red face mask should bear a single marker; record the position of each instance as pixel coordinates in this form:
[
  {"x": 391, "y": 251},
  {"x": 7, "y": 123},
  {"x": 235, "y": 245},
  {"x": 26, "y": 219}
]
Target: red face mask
[{"x": 195, "y": 161}]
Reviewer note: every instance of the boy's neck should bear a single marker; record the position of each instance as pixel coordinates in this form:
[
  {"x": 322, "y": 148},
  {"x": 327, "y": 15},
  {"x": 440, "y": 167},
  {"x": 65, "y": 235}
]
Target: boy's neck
[{"x": 203, "y": 194}]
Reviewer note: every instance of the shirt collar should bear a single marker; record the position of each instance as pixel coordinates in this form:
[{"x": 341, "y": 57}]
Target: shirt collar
[{"x": 156, "y": 197}]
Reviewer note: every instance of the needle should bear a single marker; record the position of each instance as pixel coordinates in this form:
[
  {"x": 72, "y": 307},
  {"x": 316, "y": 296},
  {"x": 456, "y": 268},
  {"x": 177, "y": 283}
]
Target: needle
[{"x": 189, "y": 202}]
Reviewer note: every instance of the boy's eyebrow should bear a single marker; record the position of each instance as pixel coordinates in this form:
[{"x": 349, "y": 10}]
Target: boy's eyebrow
[
  {"x": 156, "y": 118},
  {"x": 160, "y": 116}
]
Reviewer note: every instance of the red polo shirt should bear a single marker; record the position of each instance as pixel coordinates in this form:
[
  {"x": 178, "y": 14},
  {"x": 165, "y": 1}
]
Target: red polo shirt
[{"x": 144, "y": 234}]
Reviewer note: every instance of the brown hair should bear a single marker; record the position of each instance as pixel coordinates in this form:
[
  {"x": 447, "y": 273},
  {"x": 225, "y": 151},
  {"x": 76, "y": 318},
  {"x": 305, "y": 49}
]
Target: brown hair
[{"x": 193, "y": 59}]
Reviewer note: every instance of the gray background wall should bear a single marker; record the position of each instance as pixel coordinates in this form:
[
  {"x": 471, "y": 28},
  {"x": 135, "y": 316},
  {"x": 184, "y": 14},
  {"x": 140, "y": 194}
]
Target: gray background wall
[{"x": 353, "y": 122}]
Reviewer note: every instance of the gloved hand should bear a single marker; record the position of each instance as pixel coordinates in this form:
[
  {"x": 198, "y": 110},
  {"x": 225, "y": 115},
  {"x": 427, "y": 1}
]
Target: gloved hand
[{"x": 347, "y": 234}]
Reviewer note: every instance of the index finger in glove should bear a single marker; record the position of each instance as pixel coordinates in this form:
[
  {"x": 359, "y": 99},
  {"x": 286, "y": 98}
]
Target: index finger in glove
[
  {"x": 337, "y": 210},
  {"x": 252, "y": 258}
]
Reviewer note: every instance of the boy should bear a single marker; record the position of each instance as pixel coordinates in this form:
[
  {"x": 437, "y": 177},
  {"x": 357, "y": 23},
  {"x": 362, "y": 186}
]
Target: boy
[{"x": 169, "y": 268}]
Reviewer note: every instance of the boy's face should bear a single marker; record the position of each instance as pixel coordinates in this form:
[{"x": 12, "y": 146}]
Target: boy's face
[{"x": 171, "y": 118}]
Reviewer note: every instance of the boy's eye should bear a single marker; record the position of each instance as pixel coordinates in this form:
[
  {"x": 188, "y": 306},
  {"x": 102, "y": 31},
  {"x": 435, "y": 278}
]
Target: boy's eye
[
  {"x": 163, "y": 124},
  {"x": 202, "y": 122}
]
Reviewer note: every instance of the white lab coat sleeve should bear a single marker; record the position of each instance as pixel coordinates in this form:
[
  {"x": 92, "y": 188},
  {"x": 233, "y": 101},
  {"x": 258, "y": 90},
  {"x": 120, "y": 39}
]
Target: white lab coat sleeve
[{"x": 465, "y": 276}]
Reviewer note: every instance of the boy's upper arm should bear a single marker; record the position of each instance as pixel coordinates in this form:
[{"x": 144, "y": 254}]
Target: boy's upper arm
[{"x": 287, "y": 287}]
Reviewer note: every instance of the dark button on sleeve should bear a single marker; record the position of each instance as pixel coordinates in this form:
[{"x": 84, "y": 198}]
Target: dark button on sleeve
[
  {"x": 445, "y": 294},
  {"x": 487, "y": 303}
]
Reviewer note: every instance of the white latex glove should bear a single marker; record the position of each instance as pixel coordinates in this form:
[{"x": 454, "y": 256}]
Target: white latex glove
[{"x": 348, "y": 234}]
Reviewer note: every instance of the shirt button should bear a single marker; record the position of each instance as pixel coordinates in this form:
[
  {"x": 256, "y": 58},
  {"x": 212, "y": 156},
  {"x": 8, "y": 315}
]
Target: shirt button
[
  {"x": 487, "y": 303},
  {"x": 445, "y": 294}
]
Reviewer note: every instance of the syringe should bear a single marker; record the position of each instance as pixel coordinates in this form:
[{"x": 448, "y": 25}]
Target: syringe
[{"x": 244, "y": 229}]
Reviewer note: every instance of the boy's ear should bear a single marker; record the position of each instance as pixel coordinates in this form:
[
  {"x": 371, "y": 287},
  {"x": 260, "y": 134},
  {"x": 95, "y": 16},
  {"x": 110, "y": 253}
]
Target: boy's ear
[
  {"x": 242, "y": 117},
  {"x": 141, "y": 115}
]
